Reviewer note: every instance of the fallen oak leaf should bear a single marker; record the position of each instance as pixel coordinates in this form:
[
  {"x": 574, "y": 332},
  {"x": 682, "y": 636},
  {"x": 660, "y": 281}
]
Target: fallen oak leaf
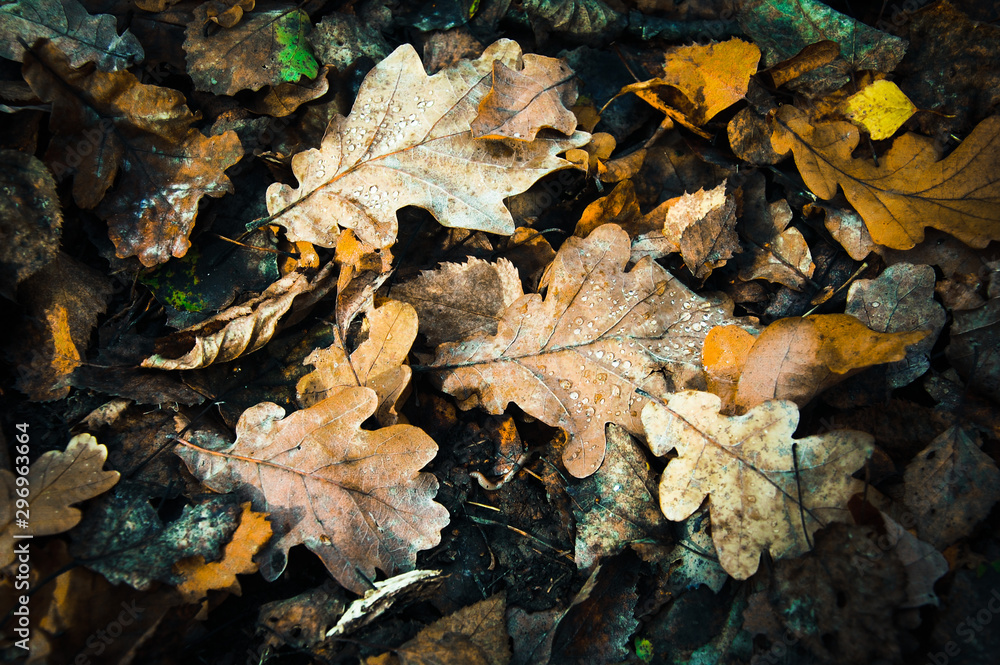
[
  {"x": 766, "y": 490},
  {"x": 910, "y": 188},
  {"x": 56, "y": 481},
  {"x": 378, "y": 362},
  {"x": 200, "y": 576},
  {"x": 240, "y": 329},
  {"x": 521, "y": 102},
  {"x": 139, "y": 138},
  {"x": 354, "y": 497},
  {"x": 586, "y": 354},
  {"x": 408, "y": 141}
]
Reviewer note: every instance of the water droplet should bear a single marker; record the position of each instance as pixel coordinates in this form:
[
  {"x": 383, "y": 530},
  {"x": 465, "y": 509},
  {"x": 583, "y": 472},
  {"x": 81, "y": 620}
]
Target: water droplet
[
  {"x": 615, "y": 391},
  {"x": 574, "y": 395},
  {"x": 602, "y": 377},
  {"x": 565, "y": 384},
  {"x": 617, "y": 488},
  {"x": 578, "y": 320},
  {"x": 876, "y": 304}
]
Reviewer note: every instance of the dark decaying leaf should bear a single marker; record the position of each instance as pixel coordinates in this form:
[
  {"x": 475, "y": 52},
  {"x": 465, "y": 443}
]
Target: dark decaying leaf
[
  {"x": 112, "y": 130},
  {"x": 615, "y": 506},
  {"x": 600, "y": 621},
  {"x": 124, "y": 539},
  {"x": 63, "y": 301},
  {"x": 782, "y": 28},
  {"x": 30, "y": 218},
  {"x": 975, "y": 350},
  {"x": 84, "y": 38},
  {"x": 951, "y": 485},
  {"x": 265, "y": 48},
  {"x": 901, "y": 299},
  {"x": 474, "y": 635}
]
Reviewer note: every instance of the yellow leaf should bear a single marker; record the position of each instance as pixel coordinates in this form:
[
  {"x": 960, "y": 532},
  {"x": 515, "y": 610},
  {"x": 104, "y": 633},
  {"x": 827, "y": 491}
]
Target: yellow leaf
[
  {"x": 880, "y": 109},
  {"x": 710, "y": 78}
]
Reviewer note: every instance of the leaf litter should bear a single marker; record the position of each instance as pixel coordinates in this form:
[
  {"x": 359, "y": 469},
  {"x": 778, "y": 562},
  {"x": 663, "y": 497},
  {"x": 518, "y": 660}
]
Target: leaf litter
[{"x": 750, "y": 360}]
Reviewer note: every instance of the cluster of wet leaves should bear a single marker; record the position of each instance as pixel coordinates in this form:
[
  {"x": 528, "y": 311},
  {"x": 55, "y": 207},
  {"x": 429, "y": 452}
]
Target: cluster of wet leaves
[{"x": 556, "y": 331}]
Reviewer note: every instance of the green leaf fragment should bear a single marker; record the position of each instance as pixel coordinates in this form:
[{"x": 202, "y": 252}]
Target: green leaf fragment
[{"x": 296, "y": 55}]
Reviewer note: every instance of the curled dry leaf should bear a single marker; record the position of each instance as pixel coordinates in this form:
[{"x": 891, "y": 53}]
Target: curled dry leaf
[
  {"x": 951, "y": 485},
  {"x": 239, "y": 329},
  {"x": 910, "y": 188},
  {"x": 901, "y": 299},
  {"x": 703, "y": 226},
  {"x": 84, "y": 38},
  {"x": 200, "y": 576},
  {"x": 408, "y": 141},
  {"x": 377, "y": 362},
  {"x": 767, "y": 491},
  {"x": 581, "y": 357},
  {"x": 266, "y": 48},
  {"x": 354, "y": 497},
  {"x": 112, "y": 130},
  {"x": 520, "y": 103},
  {"x": 57, "y": 480},
  {"x": 578, "y": 19},
  {"x": 461, "y": 299},
  {"x": 798, "y": 358}
]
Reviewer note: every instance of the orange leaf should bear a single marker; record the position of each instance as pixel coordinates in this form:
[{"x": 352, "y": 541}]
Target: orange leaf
[
  {"x": 798, "y": 358},
  {"x": 910, "y": 188},
  {"x": 199, "y": 576},
  {"x": 710, "y": 78}
]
